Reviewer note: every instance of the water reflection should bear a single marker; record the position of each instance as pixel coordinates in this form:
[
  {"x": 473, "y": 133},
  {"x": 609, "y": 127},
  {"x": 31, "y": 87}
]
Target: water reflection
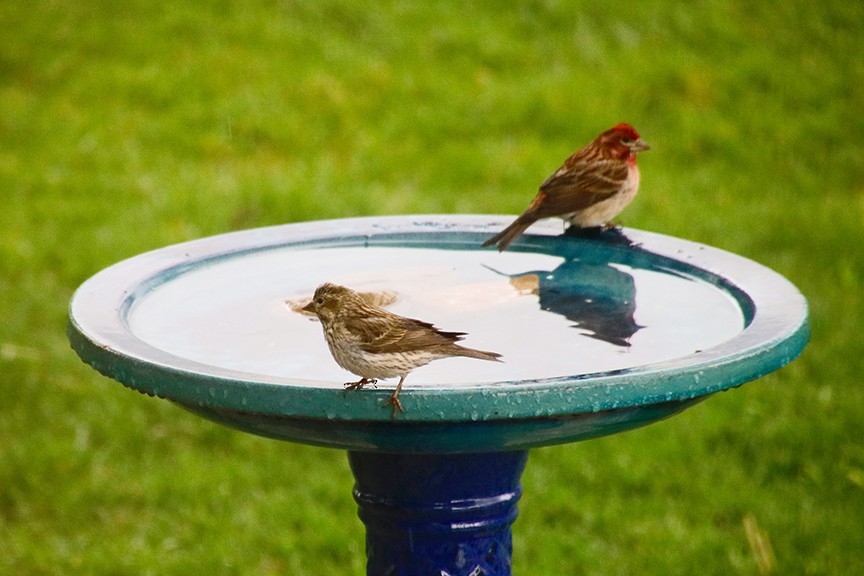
[
  {"x": 597, "y": 297},
  {"x": 206, "y": 315}
]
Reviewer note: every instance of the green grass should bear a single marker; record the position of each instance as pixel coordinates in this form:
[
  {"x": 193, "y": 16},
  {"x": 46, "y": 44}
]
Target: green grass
[{"x": 127, "y": 128}]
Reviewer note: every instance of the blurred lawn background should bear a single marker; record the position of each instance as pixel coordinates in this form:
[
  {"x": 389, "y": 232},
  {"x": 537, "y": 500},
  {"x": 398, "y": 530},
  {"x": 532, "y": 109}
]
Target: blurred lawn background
[{"x": 129, "y": 126}]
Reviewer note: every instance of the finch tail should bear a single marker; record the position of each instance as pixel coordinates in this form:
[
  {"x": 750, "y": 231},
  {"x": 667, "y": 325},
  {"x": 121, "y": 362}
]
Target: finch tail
[
  {"x": 506, "y": 237},
  {"x": 479, "y": 354}
]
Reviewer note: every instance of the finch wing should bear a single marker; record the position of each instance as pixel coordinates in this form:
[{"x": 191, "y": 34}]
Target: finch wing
[
  {"x": 398, "y": 334},
  {"x": 577, "y": 186},
  {"x": 368, "y": 329}
]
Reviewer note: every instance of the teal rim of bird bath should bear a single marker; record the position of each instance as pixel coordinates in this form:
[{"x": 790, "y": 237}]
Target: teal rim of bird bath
[{"x": 105, "y": 333}]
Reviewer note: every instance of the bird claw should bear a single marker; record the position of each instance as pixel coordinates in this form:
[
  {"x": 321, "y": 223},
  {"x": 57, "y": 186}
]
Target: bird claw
[
  {"x": 397, "y": 405},
  {"x": 609, "y": 232},
  {"x": 591, "y": 231},
  {"x": 360, "y": 383}
]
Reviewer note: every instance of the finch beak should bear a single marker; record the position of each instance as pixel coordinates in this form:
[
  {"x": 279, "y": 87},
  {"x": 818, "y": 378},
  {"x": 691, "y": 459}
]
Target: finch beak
[
  {"x": 310, "y": 307},
  {"x": 639, "y": 145}
]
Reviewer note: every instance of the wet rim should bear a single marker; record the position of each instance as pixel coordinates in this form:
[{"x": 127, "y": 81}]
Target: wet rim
[{"x": 775, "y": 316}]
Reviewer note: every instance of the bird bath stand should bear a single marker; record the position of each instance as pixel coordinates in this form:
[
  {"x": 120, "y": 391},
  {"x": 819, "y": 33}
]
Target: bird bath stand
[{"x": 597, "y": 337}]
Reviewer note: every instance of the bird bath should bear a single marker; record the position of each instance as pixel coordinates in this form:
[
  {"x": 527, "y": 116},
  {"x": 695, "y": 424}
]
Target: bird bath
[{"x": 597, "y": 337}]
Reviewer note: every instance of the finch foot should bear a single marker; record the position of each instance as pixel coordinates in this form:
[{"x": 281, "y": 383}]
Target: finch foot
[
  {"x": 394, "y": 399},
  {"x": 360, "y": 383},
  {"x": 590, "y": 233},
  {"x": 614, "y": 234},
  {"x": 609, "y": 232},
  {"x": 397, "y": 405}
]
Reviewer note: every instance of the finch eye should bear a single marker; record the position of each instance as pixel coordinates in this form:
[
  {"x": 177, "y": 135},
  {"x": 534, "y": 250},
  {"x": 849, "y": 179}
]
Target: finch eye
[
  {"x": 626, "y": 140},
  {"x": 319, "y": 301}
]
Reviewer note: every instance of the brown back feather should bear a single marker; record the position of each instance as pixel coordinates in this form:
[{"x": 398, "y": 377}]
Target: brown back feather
[
  {"x": 398, "y": 334},
  {"x": 569, "y": 190},
  {"x": 381, "y": 331}
]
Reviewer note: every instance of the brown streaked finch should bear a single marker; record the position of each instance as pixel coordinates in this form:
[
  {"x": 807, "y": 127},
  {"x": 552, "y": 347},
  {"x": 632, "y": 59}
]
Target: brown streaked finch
[
  {"x": 374, "y": 343},
  {"x": 592, "y": 186}
]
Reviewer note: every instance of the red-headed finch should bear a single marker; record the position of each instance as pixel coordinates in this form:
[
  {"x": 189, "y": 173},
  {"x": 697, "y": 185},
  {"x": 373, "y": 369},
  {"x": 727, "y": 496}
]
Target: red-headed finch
[
  {"x": 592, "y": 186},
  {"x": 374, "y": 343}
]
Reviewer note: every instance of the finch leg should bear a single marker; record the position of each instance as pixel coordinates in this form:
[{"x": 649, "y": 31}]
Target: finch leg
[
  {"x": 360, "y": 383},
  {"x": 394, "y": 399}
]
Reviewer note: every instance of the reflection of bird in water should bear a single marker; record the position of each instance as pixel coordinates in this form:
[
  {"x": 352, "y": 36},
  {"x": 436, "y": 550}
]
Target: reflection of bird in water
[{"x": 599, "y": 298}]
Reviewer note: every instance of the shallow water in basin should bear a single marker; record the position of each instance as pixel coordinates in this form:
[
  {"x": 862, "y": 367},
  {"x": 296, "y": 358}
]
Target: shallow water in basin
[{"x": 548, "y": 316}]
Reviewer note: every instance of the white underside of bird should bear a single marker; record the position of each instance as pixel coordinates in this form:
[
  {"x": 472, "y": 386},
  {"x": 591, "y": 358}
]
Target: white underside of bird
[{"x": 602, "y": 213}]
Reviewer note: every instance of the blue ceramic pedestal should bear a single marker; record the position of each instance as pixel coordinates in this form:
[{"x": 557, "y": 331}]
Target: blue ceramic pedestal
[
  {"x": 597, "y": 336},
  {"x": 438, "y": 514}
]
